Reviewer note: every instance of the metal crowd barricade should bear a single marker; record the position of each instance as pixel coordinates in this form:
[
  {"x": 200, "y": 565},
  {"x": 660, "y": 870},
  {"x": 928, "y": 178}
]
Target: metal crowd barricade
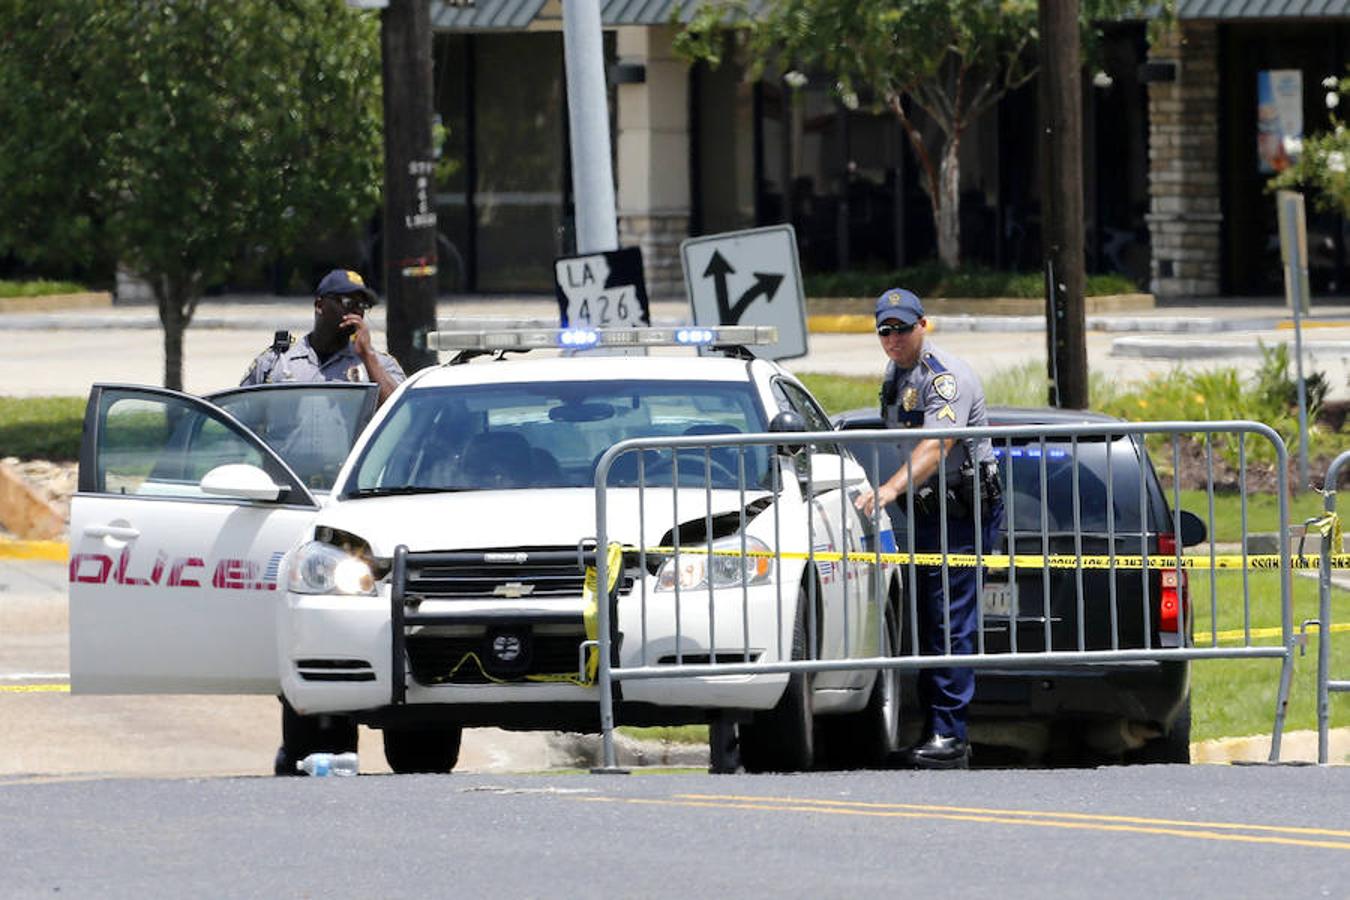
[
  {"x": 710, "y": 653},
  {"x": 1332, "y": 547}
]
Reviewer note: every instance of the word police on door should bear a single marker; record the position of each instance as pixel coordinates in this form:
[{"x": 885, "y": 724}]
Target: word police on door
[{"x": 601, "y": 290}]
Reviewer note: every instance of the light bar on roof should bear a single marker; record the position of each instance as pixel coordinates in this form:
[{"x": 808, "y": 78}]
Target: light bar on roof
[{"x": 590, "y": 338}]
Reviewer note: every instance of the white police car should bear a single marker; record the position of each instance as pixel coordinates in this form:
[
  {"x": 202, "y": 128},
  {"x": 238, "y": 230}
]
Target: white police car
[{"x": 432, "y": 583}]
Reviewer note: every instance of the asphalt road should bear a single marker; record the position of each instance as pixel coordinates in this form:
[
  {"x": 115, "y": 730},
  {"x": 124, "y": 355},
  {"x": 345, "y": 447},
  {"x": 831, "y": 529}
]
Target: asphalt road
[
  {"x": 46, "y": 731},
  {"x": 1165, "y": 831}
]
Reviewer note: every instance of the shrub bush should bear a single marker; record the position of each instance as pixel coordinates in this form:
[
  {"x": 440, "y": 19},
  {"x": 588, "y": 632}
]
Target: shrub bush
[{"x": 932, "y": 279}]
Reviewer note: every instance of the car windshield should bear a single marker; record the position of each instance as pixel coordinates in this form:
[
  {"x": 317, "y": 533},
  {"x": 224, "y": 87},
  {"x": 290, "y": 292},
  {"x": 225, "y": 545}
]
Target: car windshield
[{"x": 504, "y": 436}]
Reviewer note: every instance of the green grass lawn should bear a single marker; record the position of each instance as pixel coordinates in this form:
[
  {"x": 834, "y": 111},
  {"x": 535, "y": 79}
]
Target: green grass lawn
[
  {"x": 1263, "y": 511},
  {"x": 39, "y": 288},
  {"x": 1237, "y": 696},
  {"x": 41, "y": 427}
]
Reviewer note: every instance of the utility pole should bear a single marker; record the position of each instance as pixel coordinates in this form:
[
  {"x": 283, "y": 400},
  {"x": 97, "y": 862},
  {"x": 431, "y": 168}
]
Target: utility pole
[
  {"x": 1061, "y": 99},
  {"x": 409, "y": 238},
  {"x": 588, "y": 118}
]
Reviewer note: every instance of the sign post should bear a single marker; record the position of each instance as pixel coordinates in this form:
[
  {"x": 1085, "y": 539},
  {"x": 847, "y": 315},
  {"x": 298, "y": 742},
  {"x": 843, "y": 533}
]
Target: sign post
[
  {"x": 749, "y": 278},
  {"x": 1294, "y": 255}
]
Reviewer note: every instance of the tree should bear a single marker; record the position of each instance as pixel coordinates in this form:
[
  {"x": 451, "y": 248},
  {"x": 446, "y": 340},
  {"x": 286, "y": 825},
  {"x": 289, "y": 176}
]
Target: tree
[
  {"x": 174, "y": 136},
  {"x": 952, "y": 59},
  {"x": 1321, "y": 162}
]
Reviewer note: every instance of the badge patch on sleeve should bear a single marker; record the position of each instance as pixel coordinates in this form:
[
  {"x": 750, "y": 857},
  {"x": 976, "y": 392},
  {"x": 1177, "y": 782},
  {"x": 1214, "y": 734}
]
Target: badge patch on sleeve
[{"x": 945, "y": 386}]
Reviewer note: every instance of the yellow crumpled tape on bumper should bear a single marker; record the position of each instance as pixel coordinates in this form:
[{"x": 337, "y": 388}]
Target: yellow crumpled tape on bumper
[
  {"x": 591, "y": 619},
  {"x": 591, "y": 615}
]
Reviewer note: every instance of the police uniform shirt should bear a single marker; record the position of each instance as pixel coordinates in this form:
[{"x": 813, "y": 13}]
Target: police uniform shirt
[
  {"x": 300, "y": 363},
  {"x": 940, "y": 391}
]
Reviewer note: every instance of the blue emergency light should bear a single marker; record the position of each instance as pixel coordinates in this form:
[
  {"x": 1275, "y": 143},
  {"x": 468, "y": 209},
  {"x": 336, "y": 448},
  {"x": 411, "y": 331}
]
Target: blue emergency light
[{"x": 590, "y": 338}]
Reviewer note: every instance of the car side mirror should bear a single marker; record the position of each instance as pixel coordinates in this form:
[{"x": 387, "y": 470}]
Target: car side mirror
[
  {"x": 240, "y": 481},
  {"x": 788, "y": 422},
  {"x": 1193, "y": 530}
]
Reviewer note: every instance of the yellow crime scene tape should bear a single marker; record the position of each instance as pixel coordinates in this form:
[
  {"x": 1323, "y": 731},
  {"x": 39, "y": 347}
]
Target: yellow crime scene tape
[
  {"x": 1328, "y": 526},
  {"x": 1030, "y": 560}
]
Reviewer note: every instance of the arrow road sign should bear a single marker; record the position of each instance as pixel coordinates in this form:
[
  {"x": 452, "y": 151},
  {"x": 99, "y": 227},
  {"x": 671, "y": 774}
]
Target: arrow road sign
[
  {"x": 749, "y": 278},
  {"x": 728, "y": 314}
]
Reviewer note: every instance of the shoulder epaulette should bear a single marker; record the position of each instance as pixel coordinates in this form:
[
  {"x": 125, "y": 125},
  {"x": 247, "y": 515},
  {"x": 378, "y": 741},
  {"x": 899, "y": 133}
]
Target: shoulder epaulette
[{"x": 931, "y": 364}]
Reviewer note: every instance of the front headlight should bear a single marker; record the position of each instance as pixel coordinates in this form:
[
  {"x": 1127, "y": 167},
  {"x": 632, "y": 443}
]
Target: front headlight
[
  {"x": 319, "y": 568},
  {"x": 697, "y": 570}
]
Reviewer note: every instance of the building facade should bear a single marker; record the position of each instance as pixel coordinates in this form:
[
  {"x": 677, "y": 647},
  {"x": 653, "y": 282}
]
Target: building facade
[{"x": 1174, "y": 177}]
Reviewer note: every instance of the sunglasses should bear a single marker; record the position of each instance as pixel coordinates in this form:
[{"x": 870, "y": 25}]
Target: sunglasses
[
  {"x": 350, "y": 302},
  {"x": 888, "y": 330}
]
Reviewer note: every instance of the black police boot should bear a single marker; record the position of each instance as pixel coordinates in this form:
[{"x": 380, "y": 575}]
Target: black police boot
[
  {"x": 284, "y": 763},
  {"x": 941, "y": 752}
]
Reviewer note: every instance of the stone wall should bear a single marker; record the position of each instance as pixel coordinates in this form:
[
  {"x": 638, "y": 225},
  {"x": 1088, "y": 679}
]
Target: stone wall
[
  {"x": 653, "y": 155},
  {"x": 659, "y": 235},
  {"x": 1185, "y": 212}
]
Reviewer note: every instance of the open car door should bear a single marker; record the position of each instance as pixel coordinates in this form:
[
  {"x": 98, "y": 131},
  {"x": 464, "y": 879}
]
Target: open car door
[
  {"x": 177, "y": 535},
  {"x": 312, "y": 426}
]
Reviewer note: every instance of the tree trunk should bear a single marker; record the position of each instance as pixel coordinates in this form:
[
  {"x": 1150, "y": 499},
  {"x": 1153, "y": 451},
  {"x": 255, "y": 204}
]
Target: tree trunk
[
  {"x": 947, "y": 206},
  {"x": 175, "y": 311}
]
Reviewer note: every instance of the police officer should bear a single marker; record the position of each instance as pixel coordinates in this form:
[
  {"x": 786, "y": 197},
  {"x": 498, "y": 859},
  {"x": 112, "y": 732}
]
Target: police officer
[
  {"x": 928, "y": 388},
  {"x": 338, "y": 349}
]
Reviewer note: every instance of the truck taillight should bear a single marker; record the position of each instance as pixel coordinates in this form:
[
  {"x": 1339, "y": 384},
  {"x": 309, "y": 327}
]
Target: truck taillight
[{"x": 1174, "y": 598}]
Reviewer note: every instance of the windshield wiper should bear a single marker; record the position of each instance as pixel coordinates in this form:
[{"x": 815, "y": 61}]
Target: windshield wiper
[{"x": 400, "y": 490}]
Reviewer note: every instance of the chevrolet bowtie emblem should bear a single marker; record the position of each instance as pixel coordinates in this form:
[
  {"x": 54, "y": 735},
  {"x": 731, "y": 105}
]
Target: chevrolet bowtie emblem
[{"x": 512, "y": 590}]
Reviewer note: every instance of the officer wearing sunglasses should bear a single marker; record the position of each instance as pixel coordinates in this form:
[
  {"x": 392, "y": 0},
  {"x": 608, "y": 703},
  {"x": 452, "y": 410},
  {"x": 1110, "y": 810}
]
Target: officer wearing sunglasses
[
  {"x": 926, "y": 387},
  {"x": 338, "y": 349}
]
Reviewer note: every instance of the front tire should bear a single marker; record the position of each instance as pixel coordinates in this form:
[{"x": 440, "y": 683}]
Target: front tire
[
  {"x": 782, "y": 739},
  {"x": 868, "y": 737},
  {"x": 432, "y": 749}
]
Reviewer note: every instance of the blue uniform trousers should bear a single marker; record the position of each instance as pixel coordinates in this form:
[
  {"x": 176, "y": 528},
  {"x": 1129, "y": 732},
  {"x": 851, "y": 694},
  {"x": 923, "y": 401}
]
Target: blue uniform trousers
[{"x": 945, "y": 693}]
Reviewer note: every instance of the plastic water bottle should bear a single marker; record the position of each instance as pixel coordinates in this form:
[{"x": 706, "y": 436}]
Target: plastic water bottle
[{"x": 320, "y": 765}]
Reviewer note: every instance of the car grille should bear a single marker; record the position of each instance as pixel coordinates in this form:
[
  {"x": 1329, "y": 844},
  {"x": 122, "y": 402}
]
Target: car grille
[
  {"x": 450, "y": 659},
  {"x": 519, "y": 572}
]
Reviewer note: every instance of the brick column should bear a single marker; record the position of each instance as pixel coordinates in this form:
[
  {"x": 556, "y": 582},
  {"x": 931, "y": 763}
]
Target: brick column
[
  {"x": 1185, "y": 213},
  {"x": 653, "y": 156}
]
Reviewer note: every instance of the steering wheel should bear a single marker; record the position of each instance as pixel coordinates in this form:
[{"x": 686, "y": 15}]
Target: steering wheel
[{"x": 692, "y": 460}]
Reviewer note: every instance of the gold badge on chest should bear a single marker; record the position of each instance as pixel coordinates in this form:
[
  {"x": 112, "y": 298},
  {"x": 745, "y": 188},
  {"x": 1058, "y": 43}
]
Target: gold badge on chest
[{"x": 910, "y": 399}]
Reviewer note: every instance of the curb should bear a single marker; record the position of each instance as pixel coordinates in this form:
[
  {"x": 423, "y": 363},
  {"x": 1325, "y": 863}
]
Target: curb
[
  {"x": 47, "y": 551},
  {"x": 569, "y": 750},
  {"x": 1154, "y": 348}
]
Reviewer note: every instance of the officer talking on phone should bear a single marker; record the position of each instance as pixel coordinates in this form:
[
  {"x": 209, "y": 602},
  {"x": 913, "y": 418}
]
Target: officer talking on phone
[
  {"x": 338, "y": 349},
  {"x": 928, "y": 388}
]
